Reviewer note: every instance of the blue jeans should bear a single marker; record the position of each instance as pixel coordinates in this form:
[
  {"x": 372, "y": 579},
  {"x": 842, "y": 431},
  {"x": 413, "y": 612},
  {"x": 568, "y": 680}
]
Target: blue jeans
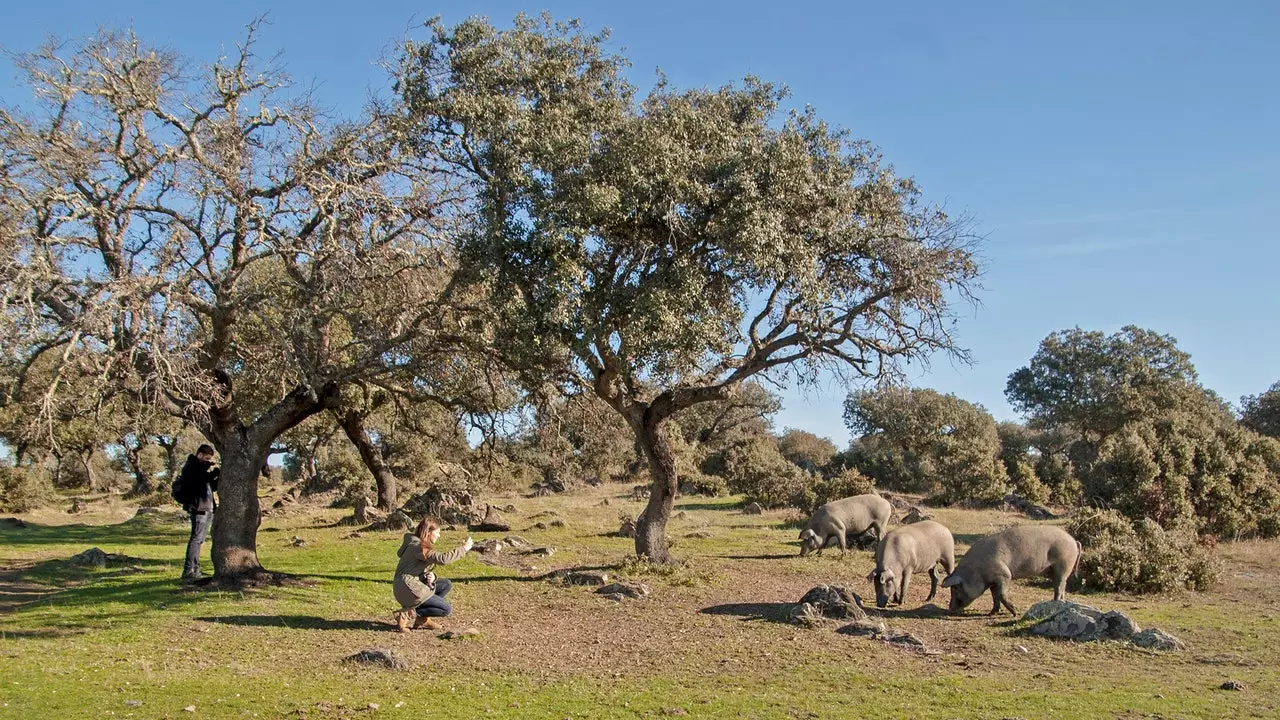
[
  {"x": 436, "y": 605},
  {"x": 200, "y": 522}
]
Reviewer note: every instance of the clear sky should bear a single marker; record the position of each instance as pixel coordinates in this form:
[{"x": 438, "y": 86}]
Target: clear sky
[{"x": 1120, "y": 158}]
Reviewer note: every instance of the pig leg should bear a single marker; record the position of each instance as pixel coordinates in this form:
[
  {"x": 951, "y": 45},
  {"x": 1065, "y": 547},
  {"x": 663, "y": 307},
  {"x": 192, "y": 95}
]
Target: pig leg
[
  {"x": 933, "y": 583},
  {"x": 906, "y": 582},
  {"x": 1060, "y": 584},
  {"x": 997, "y": 594}
]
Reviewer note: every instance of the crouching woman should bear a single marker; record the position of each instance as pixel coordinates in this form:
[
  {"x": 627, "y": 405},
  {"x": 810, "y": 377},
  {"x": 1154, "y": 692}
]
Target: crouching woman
[{"x": 420, "y": 593}]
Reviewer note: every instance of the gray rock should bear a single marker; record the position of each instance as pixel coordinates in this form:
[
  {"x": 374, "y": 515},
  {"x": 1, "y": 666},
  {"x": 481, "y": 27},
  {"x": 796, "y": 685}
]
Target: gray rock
[
  {"x": 627, "y": 529},
  {"x": 752, "y": 509},
  {"x": 633, "y": 590},
  {"x": 398, "y": 520},
  {"x": 699, "y": 535},
  {"x": 459, "y": 634},
  {"x": 838, "y": 602},
  {"x": 682, "y": 515},
  {"x": 1049, "y": 608},
  {"x": 492, "y": 522},
  {"x": 808, "y": 616},
  {"x": 581, "y": 577},
  {"x": 380, "y": 657},
  {"x": 492, "y": 546},
  {"x": 1063, "y": 619},
  {"x": 540, "y": 552},
  {"x": 509, "y": 509},
  {"x": 517, "y": 542},
  {"x": 1155, "y": 639},
  {"x": 915, "y": 515},
  {"x": 903, "y": 639},
  {"x": 91, "y": 558},
  {"x": 1231, "y": 685},
  {"x": 148, "y": 511},
  {"x": 863, "y": 628},
  {"x": 1067, "y": 624},
  {"x": 1115, "y": 625}
]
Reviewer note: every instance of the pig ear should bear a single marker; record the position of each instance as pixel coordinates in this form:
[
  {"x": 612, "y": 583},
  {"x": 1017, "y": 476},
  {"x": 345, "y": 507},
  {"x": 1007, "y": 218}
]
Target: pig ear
[{"x": 952, "y": 579}]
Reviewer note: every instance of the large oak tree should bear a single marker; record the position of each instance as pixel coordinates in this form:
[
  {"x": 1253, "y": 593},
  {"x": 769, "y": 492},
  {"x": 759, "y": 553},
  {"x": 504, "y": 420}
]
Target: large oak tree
[
  {"x": 660, "y": 251},
  {"x": 207, "y": 241}
]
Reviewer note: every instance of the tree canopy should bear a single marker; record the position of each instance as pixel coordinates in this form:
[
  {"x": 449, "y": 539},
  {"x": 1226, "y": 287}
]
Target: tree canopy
[{"x": 659, "y": 251}]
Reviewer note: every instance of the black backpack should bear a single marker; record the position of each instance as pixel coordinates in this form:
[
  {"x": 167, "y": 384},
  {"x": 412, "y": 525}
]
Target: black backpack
[{"x": 184, "y": 490}]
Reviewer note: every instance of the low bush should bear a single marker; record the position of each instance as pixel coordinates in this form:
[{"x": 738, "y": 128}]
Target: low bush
[
  {"x": 1141, "y": 557},
  {"x": 23, "y": 489}
]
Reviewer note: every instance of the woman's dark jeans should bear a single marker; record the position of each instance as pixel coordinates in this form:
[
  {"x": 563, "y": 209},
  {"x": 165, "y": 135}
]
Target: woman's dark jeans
[{"x": 436, "y": 605}]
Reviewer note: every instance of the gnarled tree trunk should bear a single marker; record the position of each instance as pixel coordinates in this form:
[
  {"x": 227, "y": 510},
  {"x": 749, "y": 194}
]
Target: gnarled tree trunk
[
  {"x": 235, "y": 523},
  {"x": 243, "y": 450},
  {"x": 353, "y": 425},
  {"x": 86, "y": 460},
  {"x": 143, "y": 483},
  {"x": 651, "y": 530}
]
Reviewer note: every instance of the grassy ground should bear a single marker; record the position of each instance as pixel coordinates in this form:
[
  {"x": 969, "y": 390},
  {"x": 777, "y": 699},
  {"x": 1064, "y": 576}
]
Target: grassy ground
[{"x": 129, "y": 641}]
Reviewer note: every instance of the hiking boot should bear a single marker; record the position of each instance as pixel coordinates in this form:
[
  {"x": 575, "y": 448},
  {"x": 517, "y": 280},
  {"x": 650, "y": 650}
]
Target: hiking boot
[
  {"x": 426, "y": 622},
  {"x": 402, "y": 620}
]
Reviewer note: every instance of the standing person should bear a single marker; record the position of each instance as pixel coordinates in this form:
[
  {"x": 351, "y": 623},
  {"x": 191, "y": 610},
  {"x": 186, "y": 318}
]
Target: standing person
[
  {"x": 194, "y": 490},
  {"x": 417, "y": 589}
]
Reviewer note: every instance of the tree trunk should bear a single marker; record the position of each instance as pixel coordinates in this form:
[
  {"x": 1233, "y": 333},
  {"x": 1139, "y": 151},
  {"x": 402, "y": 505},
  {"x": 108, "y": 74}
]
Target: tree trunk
[
  {"x": 353, "y": 426},
  {"x": 235, "y": 523},
  {"x": 243, "y": 450},
  {"x": 170, "y": 458},
  {"x": 143, "y": 483},
  {"x": 86, "y": 459},
  {"x": 55, "y": 473},
  {"x": 651, "y": 530}
]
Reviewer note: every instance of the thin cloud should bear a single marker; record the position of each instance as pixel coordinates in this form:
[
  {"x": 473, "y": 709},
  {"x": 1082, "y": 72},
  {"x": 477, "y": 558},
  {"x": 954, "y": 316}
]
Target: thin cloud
[{"x": 1091, "y": 247}]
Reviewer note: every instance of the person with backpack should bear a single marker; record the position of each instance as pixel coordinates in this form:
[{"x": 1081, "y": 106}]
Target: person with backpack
[{"x": 194, "y": 489}]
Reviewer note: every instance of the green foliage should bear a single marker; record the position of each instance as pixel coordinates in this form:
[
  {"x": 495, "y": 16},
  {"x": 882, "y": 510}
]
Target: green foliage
[
  {"x": 758, "y": 472},
  {"x": 23, "y": 489},
  {"x": 1019, "y": 464},
  {"x": 1097, "y": 383},
  {"x": 808, "y": 451},
  {"x": 1261, "y": 413},
  {"x": 921, "y": 439},
  {"x": 822, "y": 490},
  {"x": 1141, "y": 556},
  {"x": 1125, "y": 421}
]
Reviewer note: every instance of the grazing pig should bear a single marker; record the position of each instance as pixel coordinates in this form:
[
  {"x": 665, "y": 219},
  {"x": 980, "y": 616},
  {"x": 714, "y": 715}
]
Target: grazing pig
[
  {"x": 839, "y": 518},
  {"x": 910, "y": 549},
  {"x": 1020, "y": 552}
]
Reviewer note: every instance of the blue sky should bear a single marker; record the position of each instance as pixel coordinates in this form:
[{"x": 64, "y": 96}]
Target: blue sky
[{"x": 1119, "y": 157}]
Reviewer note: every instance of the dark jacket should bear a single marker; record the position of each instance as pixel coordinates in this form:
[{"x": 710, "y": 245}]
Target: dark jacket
[{"x": 203, "y": 476}]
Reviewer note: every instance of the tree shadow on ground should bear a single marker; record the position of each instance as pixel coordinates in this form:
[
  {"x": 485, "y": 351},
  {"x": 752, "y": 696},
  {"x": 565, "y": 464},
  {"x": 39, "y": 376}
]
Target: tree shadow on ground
[
  {"x": 297, "y": 622},
  {"x": 763, "y": 556},
  {"x": 147, "y": 529},
  {"x": 928, "y": 611},
  {"x": 708, "y": 505},
  {"x": 770, "y": 612}
]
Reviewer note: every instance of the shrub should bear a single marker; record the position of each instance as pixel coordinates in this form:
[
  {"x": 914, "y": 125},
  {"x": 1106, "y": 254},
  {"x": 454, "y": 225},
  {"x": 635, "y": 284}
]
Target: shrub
[
  {"x": 820, "y": 491},
  {"x": 694, "y": 482},
  {"x": 1141, "y": 557},
  {"x": 758, "y": 471},
  {"x": 23, "y": 489}
]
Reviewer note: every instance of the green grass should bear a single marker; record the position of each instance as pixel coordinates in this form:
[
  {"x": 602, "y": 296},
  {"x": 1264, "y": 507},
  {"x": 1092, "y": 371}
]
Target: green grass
[{"x": 102, "y": 641}]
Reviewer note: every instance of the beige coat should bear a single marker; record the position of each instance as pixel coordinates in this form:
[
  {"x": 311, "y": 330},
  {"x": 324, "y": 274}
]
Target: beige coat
[{"x": 410, "y": 591}]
